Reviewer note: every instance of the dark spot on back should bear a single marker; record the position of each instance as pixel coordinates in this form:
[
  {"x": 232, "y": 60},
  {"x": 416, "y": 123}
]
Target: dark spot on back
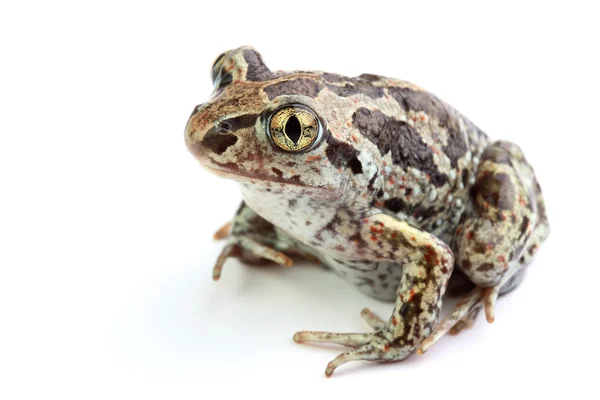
[
  {"x": 428, "y": 103},
  {"x": 345, "y": 86},
  {"x": 299, "y": 86},
  {"x": 399, "y": 138}
]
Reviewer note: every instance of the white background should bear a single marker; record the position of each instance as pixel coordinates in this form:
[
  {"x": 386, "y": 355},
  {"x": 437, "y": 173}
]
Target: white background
[{"x": 106, "y": 220}]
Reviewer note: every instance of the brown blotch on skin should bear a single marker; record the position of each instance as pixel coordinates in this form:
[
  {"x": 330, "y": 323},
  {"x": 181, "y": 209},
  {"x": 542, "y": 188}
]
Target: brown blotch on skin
[
  {"x": 257, "y": 69},
  {"x": 485, "y": 267},
  {"x": 340, "y": 153},
  {"x": 298, "y": 86},
  {"x": 497, "y": 190},
  {"x": 277, "y": 172},
  {"x": 395, "y": 205},
  {"x": 218, "y": 143},
  {"x": 399, "y": 138},
  {"x": 524, "y": 227},
  {"x": 355, "y": 166},
  {"x": 466, "y": 264},
  {"x": 414, "y": 100}
]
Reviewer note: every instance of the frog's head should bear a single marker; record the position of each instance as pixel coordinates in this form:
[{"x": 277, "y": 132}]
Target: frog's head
[{"x": 274, "y": 128}]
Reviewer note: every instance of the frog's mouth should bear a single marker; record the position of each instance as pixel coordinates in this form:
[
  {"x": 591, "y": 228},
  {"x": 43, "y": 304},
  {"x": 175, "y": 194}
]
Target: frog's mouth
[{"x": 233, "y": 172}]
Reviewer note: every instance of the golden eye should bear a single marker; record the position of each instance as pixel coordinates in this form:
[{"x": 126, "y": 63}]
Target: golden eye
[{"x": 294, "y": 128}]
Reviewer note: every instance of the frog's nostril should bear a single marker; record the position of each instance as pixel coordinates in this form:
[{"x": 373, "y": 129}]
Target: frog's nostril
[{"x": 224, "y": 127}]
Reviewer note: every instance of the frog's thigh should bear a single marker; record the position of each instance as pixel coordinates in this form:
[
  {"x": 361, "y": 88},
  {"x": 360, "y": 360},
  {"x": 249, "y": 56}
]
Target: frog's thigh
[
  {"x": 493, "y": 234},
  {"x": 497, "y": 236}
]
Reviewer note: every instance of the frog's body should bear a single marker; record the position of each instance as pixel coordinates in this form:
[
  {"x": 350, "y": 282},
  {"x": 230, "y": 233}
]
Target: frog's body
[{"x": 379, "y": 180}]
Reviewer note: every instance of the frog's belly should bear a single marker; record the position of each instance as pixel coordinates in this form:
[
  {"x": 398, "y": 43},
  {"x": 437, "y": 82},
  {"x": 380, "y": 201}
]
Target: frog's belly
[{"x": 376, "y": 279}]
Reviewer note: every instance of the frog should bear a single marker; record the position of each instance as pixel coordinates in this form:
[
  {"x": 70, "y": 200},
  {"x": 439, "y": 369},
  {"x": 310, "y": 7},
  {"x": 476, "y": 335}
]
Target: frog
[{"x": 378, "y": 180}]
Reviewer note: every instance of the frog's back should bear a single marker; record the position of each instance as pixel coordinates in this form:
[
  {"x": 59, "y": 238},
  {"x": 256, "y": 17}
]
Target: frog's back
[{"x": 430, "y": 151}]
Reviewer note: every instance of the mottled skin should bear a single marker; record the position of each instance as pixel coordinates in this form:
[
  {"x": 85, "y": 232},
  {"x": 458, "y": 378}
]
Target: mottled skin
[{"x": 398, "y": 190}]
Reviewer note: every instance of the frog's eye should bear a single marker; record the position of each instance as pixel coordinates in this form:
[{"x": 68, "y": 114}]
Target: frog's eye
[{"x": 294, "y": 128}]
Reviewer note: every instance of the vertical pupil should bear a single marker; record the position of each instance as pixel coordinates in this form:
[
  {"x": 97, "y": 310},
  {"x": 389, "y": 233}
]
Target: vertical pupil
[{"x": 293, "y": 129}]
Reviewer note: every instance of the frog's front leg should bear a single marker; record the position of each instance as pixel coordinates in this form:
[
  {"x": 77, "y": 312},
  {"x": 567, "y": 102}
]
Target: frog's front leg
[
  {"x": 253, "y": 240},
  {"x": 498, "y": 235},
  {"x": 426, "y": 264}
]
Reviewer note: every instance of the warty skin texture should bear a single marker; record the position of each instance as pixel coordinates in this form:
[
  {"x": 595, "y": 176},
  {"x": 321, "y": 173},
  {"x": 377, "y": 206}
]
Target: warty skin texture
[{"x": 398, "y": 193}]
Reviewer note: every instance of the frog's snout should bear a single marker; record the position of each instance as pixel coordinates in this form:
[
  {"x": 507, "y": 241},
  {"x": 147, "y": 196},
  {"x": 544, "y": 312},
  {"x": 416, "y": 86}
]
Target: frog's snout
[{"x": 204, "y": 139}]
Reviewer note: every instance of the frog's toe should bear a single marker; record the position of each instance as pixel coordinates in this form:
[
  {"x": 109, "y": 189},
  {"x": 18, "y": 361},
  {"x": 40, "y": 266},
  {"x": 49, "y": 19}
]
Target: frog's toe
[
  {"x": 490, "y": 295},
  {"x": 230, "y": 250},
  {"x": 364, "y": 353},
  {"x": 464, "y": 314},
  {"x": 464, "y": 307},
  {"x": 367, "y": 347},
  {"x": 345, "y": 339},
  {"x": 223, "y": 231},
  {"x": 372, "y": 319}
]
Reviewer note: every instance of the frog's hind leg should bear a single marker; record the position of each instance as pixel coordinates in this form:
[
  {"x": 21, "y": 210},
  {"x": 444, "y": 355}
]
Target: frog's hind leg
[{"x": 498, "y": 236}]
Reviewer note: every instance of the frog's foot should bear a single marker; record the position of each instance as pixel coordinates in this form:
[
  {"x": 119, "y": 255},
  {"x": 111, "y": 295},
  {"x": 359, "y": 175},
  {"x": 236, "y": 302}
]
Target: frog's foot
[
  {"x": 464, "y": 314},
  {"x": 367, "y": 346},
  {"x": 249, "y": 250},
  {"x": 223, "y": 231}
]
